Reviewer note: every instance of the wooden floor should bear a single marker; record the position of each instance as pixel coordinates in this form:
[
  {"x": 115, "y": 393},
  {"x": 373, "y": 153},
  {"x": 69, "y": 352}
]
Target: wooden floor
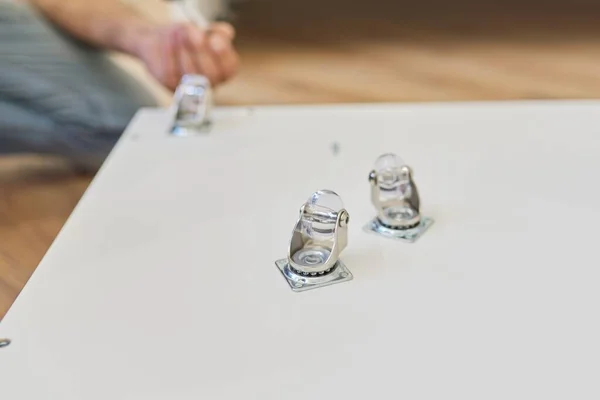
[{"x": 389, "y": 51}]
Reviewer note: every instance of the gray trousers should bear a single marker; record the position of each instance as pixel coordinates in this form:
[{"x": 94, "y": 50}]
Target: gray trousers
[{"x": 59, "y": 96}]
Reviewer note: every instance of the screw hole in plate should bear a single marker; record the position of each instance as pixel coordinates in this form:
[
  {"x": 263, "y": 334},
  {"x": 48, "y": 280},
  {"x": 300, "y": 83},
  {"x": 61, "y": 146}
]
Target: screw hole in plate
[{"x": 4, "y": 342}]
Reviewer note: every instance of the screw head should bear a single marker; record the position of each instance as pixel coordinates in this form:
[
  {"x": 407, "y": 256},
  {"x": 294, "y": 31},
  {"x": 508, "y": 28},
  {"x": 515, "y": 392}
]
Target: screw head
[
  {"x": 373, "y": 177},
  {"x": 344, "y": 219},
  {"x": 4, "y": 342},
  {"x": 407, "y": 170}
]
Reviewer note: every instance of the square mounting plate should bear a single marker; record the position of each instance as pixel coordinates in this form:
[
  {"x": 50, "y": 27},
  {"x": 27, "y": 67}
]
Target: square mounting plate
[
  {"x": 408, "y": 235},
  {"x": 300, "y": 283}
]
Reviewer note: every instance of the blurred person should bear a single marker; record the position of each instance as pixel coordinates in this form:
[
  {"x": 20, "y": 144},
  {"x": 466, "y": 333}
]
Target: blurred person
[{"x": 60, "y": 93}]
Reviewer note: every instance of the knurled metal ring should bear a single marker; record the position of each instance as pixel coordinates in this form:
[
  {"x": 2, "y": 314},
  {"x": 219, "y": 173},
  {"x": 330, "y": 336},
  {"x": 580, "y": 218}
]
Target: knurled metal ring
[
  {"x": 311, "y": 274},
  {"x": 398, "y": 228}
]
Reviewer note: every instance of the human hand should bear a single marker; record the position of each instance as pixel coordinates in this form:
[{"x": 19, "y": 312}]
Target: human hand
[{"x": 174, "y": 50}]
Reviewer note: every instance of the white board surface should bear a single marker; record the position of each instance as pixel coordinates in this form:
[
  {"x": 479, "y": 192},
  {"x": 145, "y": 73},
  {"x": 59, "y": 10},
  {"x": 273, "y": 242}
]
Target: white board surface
[{"x": 162, "y": 284}]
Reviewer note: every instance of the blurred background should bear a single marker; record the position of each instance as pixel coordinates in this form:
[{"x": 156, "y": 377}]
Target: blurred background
[{"x": 332, "y": 51}]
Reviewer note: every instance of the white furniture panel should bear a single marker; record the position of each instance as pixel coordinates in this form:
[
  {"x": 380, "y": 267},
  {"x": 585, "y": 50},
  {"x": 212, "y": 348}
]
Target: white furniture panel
[{"x": 162, "y": 284}]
